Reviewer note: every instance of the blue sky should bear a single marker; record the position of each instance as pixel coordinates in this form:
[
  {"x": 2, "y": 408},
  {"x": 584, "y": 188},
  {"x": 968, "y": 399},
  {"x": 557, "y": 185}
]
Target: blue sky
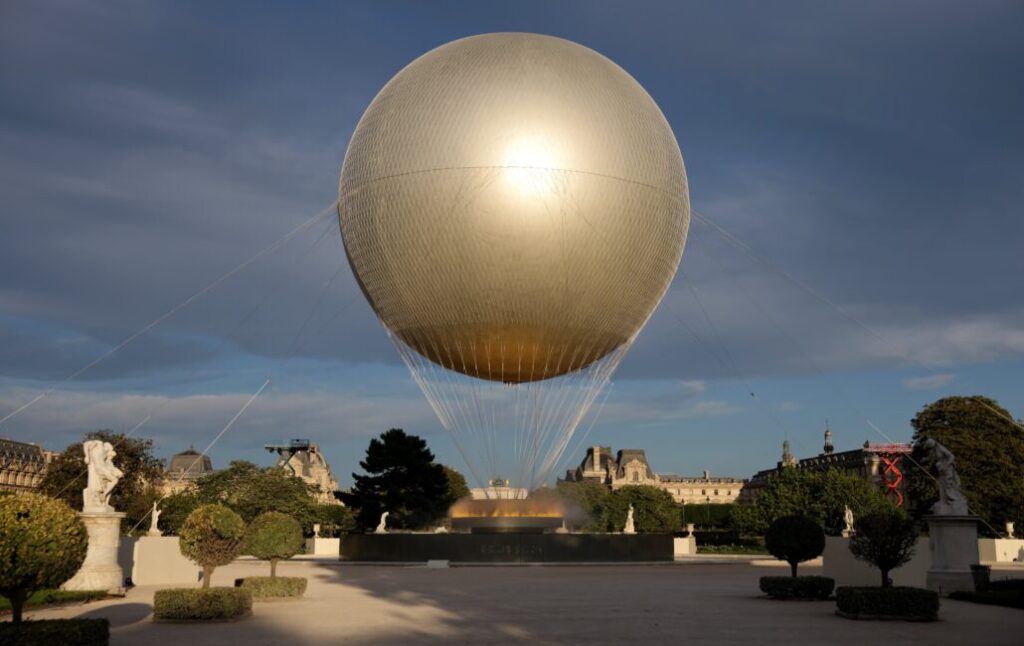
[{"x": 870, "y": 154}]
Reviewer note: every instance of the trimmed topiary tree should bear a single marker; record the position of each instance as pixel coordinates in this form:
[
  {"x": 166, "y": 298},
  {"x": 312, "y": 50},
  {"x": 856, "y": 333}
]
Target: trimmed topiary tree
[
  {"x": 273, "y": 536},
  {"x": 212, "y": 536},
  {"x": 795, "y": 539},
  {"x": 42, "y": 544},
  {"x": 886, "y": 539}
]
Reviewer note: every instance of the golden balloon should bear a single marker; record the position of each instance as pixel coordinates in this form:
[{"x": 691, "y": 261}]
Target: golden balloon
[{"x": 514, "y": 206}]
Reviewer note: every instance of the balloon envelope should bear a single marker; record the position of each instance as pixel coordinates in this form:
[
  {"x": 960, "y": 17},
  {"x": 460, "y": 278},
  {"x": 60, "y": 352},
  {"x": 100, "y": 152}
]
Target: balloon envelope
[{"x": 514, "y": 206}]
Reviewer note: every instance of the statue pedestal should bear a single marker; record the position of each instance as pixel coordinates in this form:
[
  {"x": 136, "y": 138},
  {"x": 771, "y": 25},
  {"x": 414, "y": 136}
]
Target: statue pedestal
[
  {"x": 100, "y": 571},
  {"x": 953, "y": 543}
]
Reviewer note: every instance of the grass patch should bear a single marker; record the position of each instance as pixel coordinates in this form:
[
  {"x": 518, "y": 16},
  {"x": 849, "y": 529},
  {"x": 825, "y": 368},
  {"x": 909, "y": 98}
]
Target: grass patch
[
  {"x": 201, "y": 604},
  {"x": 54, "y": 597},
  {"x": 910, "y": 604},
  {"x": 56, "y": 632},
  {"x": 798, "y": 587},
  {"x": 276, "y": 587}
]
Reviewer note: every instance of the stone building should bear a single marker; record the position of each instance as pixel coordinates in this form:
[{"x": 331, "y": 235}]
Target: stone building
[
  {"x": 22, "y": 465},
  {"x": 304, "y": 460},
  {"x": 881, "y": 464},
  {"x": 630, "y": 467},
  {"x": 185, "y": 468}
]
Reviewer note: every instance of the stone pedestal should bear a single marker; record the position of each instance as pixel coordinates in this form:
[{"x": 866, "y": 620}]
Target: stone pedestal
[
  {"x": 158, "y": 561},
  {"x": 953, "y": 545},
  {"x": 100, "y": 571}
]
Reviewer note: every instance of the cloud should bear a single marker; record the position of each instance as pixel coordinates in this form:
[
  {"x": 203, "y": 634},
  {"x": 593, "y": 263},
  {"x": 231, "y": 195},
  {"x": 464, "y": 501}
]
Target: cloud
[{"x": 930, "y": 382}]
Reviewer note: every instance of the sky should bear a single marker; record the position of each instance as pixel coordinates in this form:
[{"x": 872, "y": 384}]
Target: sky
[{"x": 857, "y": 167}]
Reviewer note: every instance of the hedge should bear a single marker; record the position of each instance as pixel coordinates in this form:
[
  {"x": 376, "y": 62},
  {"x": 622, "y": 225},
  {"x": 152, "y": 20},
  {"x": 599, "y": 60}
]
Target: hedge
[
  {"x": 273, "y": 587},
  {"x": 51, "y": 632},
  {"x": 53, "y": 597},
  {"x": 201, "y": 604},
  {"x": 912, "y": 604},
  {"x": 797, "y": 587}
]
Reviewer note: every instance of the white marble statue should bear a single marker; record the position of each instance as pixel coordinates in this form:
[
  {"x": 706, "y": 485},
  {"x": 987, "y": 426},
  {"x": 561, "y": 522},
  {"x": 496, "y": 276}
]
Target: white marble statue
[
  {"x": 1009, "y": 530},
  {"x": 629, "y": 528},
  {"x": 103, "y": 476},
  {"x": 951, "y": 495},
  {"x": 154, "y": 519},
  {"x": 382, "y": 526},
  {"x": 847, "y": 520}
]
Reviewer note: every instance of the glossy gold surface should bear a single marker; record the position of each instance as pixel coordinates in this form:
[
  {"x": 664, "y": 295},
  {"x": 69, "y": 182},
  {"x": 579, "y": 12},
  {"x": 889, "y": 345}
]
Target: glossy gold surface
[{"x": 514, "y": 206}]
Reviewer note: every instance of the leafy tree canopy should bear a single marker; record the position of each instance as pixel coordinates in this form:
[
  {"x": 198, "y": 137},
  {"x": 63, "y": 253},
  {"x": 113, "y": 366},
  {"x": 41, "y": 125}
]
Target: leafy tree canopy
[
  {"x": 273, "y": 536},
  {"x": 249, "y": 491},
  {"x": 42, "y": 545},
  {"x": 989, "y": 451},
  {"x": 586, "y": 504},
  {"x": 794, "y": 539},
  {"x": 402, "y": 479},
  {"x": 654, "y": 510},
  {"x": 212, "y": 536},
  {"x": 457, "y": 487},
  {"x": 820, "y": 495},
  {"x": 885, "y": 538},
  {"x": 67, "y": 475}
]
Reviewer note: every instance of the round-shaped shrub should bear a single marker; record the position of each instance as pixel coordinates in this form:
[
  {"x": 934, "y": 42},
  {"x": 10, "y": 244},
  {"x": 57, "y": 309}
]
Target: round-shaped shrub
[
  {"x": 274, "y": 536},
  {"x": 212, "y": 536},
  {"x": 42, "y": 544},
  {"x": 886, "y": 539},
  {"x": 795, "y": 539}
]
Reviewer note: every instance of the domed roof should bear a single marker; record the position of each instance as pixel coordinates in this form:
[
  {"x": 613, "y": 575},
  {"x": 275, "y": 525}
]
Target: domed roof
[{"x": 190, "y": 464}]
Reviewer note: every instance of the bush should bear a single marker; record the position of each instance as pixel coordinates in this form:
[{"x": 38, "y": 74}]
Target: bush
[
  {"x": 1007, "y": 584},
  {"x": 913, "y": 604},
  {"x": 886, "y": 539},
  {"x": 795, "y": 539},
  {"x": 274, "y": 536},
  {"x": 80, "y": 632},
  {"x": 212, "y": 536},
  {"x": 53, "y": 597},
  {"x": 201, "y": 604},
  {"x": 42, "y": 545},
  {"x": 708, "y": 516},
  {"x": 273, "y": 587},
  {"x": 797, "y": 587}
]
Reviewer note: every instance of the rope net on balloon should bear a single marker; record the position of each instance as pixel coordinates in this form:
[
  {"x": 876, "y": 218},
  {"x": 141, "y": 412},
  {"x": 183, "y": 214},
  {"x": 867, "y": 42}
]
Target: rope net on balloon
[{"x": 511, "y": 431}]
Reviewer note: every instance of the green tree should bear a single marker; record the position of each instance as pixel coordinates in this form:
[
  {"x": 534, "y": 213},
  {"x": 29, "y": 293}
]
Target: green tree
[
  {"x": 273, "y": 536},
  {"x": 212, "y": 536},
  {"x": 819, "y": 495},
  {"x": 334, "y": 520},
  {"x": 654, "y": 510},
  {"x": 457, "y": 487},
  {"x": 249, "y": 491},
  {"x": 402, "y": 479},
  {"x": 989, "y": 450},
  {"x": 42, "y": 545},
  {"x": 67, "y": 475},
  {"x": 586, "y": 504},
  {"x": 884, "y": 538},
  {"x": 794, "y": 539}
]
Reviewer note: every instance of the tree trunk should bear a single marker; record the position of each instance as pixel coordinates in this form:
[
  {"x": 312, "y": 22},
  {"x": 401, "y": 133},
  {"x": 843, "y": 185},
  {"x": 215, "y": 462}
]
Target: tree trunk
[
  {"x": 273, "y": 568},
  {"x": 792, "y": 567},
  {"x": 207, "y": 575},
  {"x": 17, "y": 603},
  {"x": 885, "y": 578}
]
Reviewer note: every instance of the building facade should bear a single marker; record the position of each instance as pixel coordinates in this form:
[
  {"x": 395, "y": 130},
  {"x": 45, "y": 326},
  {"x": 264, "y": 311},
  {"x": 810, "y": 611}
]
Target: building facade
[
  {"x": 630, "y": 467},
  {"x": 881, "y": 464},
  {"x": 22, "y": 465},
  {"x": 304, "y": 460}
]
